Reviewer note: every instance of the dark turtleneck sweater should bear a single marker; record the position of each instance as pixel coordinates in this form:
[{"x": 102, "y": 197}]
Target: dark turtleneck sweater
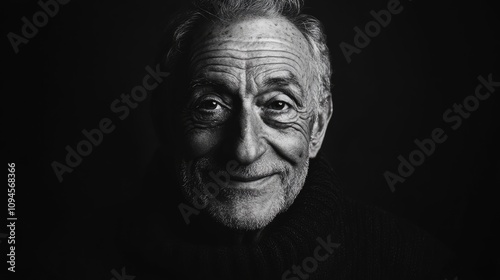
[{"x": 149, "y": 239}]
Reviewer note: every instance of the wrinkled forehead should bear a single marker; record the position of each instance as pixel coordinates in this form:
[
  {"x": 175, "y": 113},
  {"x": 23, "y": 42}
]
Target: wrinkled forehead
[{"x": 251, "y": 35}]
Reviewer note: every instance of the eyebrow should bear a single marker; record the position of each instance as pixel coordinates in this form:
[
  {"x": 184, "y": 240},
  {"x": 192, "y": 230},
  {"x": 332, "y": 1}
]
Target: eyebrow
[
  {"x": 204, "y": 82},
  {"x": 284, "y": 81},
  {"x": 289, "y": 80}
]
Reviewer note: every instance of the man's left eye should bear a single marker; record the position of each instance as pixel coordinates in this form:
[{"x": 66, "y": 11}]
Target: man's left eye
[{"x": 278, "y": 105}]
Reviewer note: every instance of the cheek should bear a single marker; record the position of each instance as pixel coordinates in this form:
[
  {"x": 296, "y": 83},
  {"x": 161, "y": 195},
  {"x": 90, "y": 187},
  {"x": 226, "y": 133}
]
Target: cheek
[
  {"x": 199, "y": 142},
  {"x": 292, "y": 143}
]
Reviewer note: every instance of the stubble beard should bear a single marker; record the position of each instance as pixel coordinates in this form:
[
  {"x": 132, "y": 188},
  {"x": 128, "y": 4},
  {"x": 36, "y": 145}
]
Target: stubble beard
[{"x": 237, "y": 208}]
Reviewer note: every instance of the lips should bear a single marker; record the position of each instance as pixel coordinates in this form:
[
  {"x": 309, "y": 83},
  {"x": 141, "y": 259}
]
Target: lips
[
  {"x": 249, "y": 178},
  {"x": 251, "y": 182}
]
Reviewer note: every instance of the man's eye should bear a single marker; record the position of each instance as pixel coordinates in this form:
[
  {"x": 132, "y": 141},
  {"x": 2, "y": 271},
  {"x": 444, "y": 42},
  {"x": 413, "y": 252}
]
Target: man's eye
[
  {"x": 278, "y": 105},
  {"x": 211, "y": 111},
  {"x": 209, "y": 105}
]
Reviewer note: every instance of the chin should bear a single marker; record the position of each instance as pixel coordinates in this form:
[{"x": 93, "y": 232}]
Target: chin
[
  {"x": 243, "y": 211},
  {"x": 244, "y": 208}
]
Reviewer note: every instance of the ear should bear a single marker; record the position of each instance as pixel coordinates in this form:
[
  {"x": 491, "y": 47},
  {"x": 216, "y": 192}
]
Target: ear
[{"x": 320, "y": 124}]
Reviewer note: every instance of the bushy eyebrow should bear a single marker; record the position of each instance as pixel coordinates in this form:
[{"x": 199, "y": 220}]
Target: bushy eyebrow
[
  {"x": 284, "y": 81},
  {"x": 200, "y": 82},
  {"x": 204, "y": 82},
  {"x": 289, "y": 84}
]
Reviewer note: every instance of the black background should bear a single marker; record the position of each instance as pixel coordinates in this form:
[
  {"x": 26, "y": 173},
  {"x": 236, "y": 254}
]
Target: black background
[{"x": 395, "y": 91}]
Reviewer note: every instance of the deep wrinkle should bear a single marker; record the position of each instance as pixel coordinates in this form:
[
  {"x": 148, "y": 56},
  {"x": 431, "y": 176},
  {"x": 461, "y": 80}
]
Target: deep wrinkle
[{"x": 249, "y": 100}]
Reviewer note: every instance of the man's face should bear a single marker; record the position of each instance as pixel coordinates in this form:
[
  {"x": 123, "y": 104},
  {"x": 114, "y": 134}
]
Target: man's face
[{"x": 249, "y": 104}]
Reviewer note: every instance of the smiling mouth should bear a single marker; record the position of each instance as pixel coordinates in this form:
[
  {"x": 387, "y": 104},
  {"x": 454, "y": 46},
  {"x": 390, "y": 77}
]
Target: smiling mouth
[
  {"x": 250, "y": 182},
  {"x": 249, "y": 178}
]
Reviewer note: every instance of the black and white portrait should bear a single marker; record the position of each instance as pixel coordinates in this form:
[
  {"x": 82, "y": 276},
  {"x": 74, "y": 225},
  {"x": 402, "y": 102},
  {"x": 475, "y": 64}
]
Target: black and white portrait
[{"x": 251, "y": 139}]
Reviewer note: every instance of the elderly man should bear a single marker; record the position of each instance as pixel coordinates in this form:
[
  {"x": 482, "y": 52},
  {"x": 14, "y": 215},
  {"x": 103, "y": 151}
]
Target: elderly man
[
  {"x": 239, "y": 190},
  {"x": 254, "y": 93}
]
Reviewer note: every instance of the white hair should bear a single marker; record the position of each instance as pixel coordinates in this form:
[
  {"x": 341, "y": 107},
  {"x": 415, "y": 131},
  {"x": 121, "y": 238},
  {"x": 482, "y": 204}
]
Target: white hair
[{"x": 226, "y": 11}]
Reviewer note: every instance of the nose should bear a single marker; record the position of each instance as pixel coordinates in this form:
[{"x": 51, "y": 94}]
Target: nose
[{"x": 249, "y": 145}]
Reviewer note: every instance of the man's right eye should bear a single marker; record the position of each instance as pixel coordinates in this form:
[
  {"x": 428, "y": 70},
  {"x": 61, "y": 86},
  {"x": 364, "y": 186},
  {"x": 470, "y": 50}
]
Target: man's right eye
[
  {"x": 211, "y": 109},
  {"x": 209, "y": 105}
]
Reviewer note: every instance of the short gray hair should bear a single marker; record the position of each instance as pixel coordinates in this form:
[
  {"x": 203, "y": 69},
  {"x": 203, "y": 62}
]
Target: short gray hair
[{"x": 226, "y": 11}]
